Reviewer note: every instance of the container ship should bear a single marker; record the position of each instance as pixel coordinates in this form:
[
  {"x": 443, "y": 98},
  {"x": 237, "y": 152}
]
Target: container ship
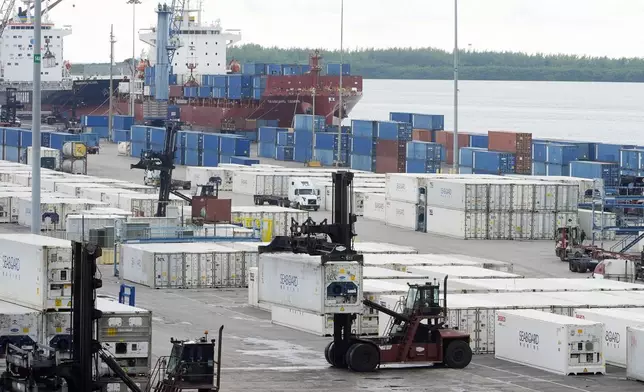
[{"x": 206, "y": 90}]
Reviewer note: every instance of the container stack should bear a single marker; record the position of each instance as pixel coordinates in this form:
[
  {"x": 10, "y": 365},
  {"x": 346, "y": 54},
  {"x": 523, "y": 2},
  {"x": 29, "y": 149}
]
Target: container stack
[
  {"x": 49, "y": 157},
  {"x": 446, "y": 139},
  {"x": 98, "y": 125},
  {"x": 391, "y": 146},
  {"x": 553, "y": 159},
  {"x": 259, "y": 85},
  {"x": 363, "y": 145},
  {"x": 267, "y": 141},
  {"x": 519, "y": 144},
  {"x": 479, "y": 141},
  {"x": 74, "y": 158},
  {"x": 424, "y": 125},
  {"x": 483, "y": 161},
  {"x": 13, "y": 144},
  {"x": 239, "y": 87},
  {"x": 121, "y": 128},
  {"x": 423, "y": 157},
  {"x": 326, "y": 148},
  {"x": 305, "y": 127},
  {"x": 285, "y": 145},
  {"x": 606, "y": 171},
  {"x": 631, "y": 162},
  {"x": 337, "y": 69}
]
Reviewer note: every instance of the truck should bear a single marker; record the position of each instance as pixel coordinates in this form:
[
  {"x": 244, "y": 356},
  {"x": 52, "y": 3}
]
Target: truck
[
  {"x": 152, "y": 178},
  {"x": 302, "y": 194}
]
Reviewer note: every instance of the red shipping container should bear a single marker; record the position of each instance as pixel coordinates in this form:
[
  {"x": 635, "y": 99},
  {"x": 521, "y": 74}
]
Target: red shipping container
[
  {"x": 513, "y": 142},
  {"x": 446, "y": 138},
  {"x": 390, "y": 148},
  {"x": 176, "y": 92},
  {"x": 421, "y": 135},
  {"x": 389, "y": 165}
]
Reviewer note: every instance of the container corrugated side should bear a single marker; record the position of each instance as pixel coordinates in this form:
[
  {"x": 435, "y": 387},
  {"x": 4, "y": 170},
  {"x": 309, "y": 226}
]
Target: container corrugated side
[{"x": 635, "y": 353}]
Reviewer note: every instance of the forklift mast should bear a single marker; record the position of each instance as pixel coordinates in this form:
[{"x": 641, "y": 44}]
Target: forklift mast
[
  {"x": 163, "y": 162},
  {"x": 8, "y": 114}
]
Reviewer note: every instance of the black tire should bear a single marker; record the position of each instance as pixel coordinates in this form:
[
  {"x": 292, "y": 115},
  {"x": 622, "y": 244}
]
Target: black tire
[
  {"x": 573, "y": 266},
  {"x": 363, "y": 357},
  {"x": 458, "y": 354},
  {"x": 316, "y": 208},
  {"x": 570, "y": 267},
  {"x": 329, "y": 354},
  {"x": 296, "y": 206}
]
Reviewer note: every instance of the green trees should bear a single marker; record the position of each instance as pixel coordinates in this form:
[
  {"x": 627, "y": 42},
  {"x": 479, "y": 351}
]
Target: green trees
[{"x": 429, "y": 63}]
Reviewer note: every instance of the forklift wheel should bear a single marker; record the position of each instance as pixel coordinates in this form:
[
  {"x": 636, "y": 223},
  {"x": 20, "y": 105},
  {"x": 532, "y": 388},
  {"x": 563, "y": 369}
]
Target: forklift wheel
[
  {"x": 458, "y": 354},
  {"x": 571, "y": 267},
  {"x": 329, "y": 355},
  {"x": 363, "y": 357}
]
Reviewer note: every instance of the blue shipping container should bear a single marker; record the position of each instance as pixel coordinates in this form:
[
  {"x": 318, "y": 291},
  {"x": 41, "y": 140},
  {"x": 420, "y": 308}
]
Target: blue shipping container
[
  {"x": 309, "y": 122},
  {"x": 210, "y": 142},
  {"x": 220, "y": 81},
  {"x": 493, "y": 162},
  {"x": 609, "y": 152},
  {"x": 561, "y": 154},
  {"x": 247, "y": 92},
  {"x": 179, "y": 156},
  {"x": 194, "y": 140},
  {"x": 204, "y": 92},
  {"x": 210, "y": 158},
  {"x": 553, "y": 169},
  {"x": 539, "y": 169},
  {"x": 139, "y": 133},
  {"x": 174, "y": 112},
  {"x": 363, "y": 162},
  {"x": 227, "y": 145},
  {"x": 401, "y": 117},
  {"x": 102, "y": 132},
  {"x": 273, "y": 69},
  {"x": 259, "y": 82},
  {"x": 90, "y": 139},
  {"x": 421, "y": 166},
  {"x": 266, "y": 150},
  {"x": 192, "y": 157},
  {"x": 257, "y": 93},
  {"x": 45, "y": 138},
  {"x": 424, "y": 151},
  {"x": 291, "y": 70},
  {"x": 156, "y": 136},
  {"x": 174, "y": 80},
  {"x": 302, "y": 153},
  {"x": 285, "y": 138},
  {"x": 324, "y": 156},
  {"x": 363, "y": 145},
  {"x": 607, "y": 171},
  {"x": 95, "y": 121},
  {"x": 122, "y": 122},
  {"x": 466, "y": 155},
  {"x": 137, "y": 149},
  {"x": 302, "y": 139},
  {"x": 242, "y": 147},
  {"x": 12, "y": 137},
  {"x": 329, "y": 141},
  {"x": 284, "y": 153},
  {"x": 539, "y": 151},
  {"x": 120, "y": 135},
  {"x": 254, "y": 69},
  {"x": 480, "y": 141},
  {"x": 267, "y": 135},
  {"x": 303, "y": 69},
  {"x": 244, "y": 161},
  {"x": 206, "y": 80},
  {"x": 190, "y": 92},
  {"x": 219, "y": 92},
  {"x": 391, "y": 130},
  {"x": 334, "y": 69},
  {"x": 25, "y": 138},
  {"x": 632, "y": 159},
  {"x": 12, "y": 154},
  {"x": 364, "y": 128}
]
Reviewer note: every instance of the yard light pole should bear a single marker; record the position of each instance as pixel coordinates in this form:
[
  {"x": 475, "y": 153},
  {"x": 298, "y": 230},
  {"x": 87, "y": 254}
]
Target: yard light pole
[
  {"x": 134, "y": 4},
  {"x": 455, "y": 156}
]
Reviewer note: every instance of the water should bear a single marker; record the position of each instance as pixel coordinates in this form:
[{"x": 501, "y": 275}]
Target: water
[{"x": 605, "y": 112}]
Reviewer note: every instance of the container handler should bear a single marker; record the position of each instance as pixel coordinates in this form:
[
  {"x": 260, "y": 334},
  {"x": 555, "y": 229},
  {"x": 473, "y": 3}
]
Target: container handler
[
  {"x": 570, "y": 249},
  {"x": 409, "y": 340}
]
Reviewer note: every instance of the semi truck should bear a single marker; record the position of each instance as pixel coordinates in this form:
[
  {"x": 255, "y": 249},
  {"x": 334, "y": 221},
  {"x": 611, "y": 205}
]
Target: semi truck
[{"x": 301, "y": 193}]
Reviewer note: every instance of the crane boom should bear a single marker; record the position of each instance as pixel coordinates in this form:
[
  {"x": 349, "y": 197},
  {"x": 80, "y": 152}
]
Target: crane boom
[
  {"x": 6, "y": 9},
  {"x": 48, "y": 8},
  {"x": 178, "y": 7}
]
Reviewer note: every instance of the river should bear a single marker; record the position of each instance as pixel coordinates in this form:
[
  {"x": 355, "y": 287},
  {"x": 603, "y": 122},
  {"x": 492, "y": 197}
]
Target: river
[{"x": 604, "y": 112}]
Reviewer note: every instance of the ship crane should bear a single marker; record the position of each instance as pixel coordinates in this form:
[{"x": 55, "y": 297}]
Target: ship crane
[
  {"x": 178, "y": 7},
  {"x": 6, "y": 10}
]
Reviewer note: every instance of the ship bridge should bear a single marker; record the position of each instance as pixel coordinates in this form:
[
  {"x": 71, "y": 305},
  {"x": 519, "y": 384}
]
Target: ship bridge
[{"x": 201, "y": 45}]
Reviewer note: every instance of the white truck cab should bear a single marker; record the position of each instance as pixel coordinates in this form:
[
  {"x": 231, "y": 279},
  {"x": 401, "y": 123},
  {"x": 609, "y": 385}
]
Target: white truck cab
[
  {"x": 303, "y": 194},
  {"x": 615, "y": 269}
]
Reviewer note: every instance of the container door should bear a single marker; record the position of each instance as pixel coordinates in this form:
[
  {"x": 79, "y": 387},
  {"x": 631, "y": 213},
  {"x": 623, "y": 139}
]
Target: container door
[
  {"x": 421, "y": 219},
  {"x": 191, "y": 268},
  {"x": 218, "y": 270},
  {"x": 161, "y": 271},
  {"x": 207, "y": 272}
]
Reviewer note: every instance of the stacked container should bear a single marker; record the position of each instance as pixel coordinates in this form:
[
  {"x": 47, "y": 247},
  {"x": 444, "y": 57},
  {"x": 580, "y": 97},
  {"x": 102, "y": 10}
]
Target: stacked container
[
  {"x": 553, "y": 159},
  {"x": 428, "y": 122},
  {"x": 606, "y": 171},
  {"x": 519, "y": 144},
  {"x": 121, "y": 128},
  {"x": 631, "y": 162},
  {"x": 98, "y": 125},
  {"x": 240, "y": 86},
  {"x": 391, "y": 146},
  {"x": 423, "y": 157},
  {"x": 326, "y": 148},
  {"x": 446, "y": 139},
  {"x": 363, "y": 145},
  {"x": 483, "y": 161},
  {"x": 591, "y": 223}
]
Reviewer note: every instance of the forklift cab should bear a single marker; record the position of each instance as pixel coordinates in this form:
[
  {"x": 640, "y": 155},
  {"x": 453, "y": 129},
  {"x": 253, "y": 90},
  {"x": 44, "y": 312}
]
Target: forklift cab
[
  {"x": 192, "y": 362},
  {"x": 423, "y": 301},
  {"x": 568, "y": 236}
]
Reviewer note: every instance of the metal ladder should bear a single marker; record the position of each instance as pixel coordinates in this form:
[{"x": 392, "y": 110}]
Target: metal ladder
[
  {"x": 155, "y": 382},
  {"x": 398, "y": 307}
]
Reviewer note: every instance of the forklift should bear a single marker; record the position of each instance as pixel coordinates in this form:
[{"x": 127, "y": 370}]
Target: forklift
[
  {"x": 419, "y": 333},
  {"x": 207, "y": 205},
  {"x": 9, "y": 111},
  {"x": 191, "y": 365}
]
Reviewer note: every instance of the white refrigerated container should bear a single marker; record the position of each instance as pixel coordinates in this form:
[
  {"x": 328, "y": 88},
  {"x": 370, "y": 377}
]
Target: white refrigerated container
[
  {"x": 183, "y": 265},
  {"x": 558, "y": 344},
  {"x": 402, "y": 214},
  {"x": 382, "y": 247},
  {"x": 386, "y": 273},
  {"x": 302, "y": 282},
  {"x": 615, "y": 321},
  {"x": 36, "y": 271},
  {"x": 459, "y": 272},
  {"x": 374, "y": 206},
  {"x": 18, "y": 321},
  {"x": 265, "y": 217},
  {"x": 635, "y": 353}
]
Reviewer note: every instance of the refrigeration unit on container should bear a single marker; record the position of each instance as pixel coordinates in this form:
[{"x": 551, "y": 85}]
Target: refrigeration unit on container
[
  {"x": 302, "y": 282},
  {"x": 18, "y": 323},
  {"x": 558, "y": 344},
  {"x": 36, "y": 271},
  {"x": 183, "y": 265},
  {"x": 635, "y": 353},
  {"x": 126, "y": 332},
  {"x": 615, "y": 321}
]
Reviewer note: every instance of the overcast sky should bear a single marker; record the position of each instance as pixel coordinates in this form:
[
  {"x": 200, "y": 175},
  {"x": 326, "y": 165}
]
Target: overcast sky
[{"x": 611, "y": 28}]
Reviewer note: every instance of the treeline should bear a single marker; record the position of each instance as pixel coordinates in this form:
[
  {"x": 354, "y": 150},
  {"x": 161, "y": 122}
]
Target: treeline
[{"x": 429, "y": 63}]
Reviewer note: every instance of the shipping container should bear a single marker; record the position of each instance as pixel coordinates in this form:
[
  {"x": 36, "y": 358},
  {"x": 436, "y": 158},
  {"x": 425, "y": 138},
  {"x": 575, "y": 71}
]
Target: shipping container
[
  {"x": 615, "y": 321},
  {"x": 18, "y": 323},
  {"x": 446, "y": 139},
  {"x": 303, "y": 282},
  {"x": 605, "y": 152},
  {"x": 37, "y": 271},
  {"x": 404, "y": 215},
  {"x": 554, "y": 343},
  {"x": 635, "y": 353},
  {"x": 432, "y": 122},
  {"x": 466, "y": 155},
  {"x": 422, "y": 135},
  {"x": 364, "y": 128},
  {"x": 122, "y": 122},
  {"x": 265, "y": 218},
  {"x": 336, "y": 69},
  {"x": 459, "y": 272},
  {"x": 492, "y": 162},
  {"x": 307, "y": 122},
  {"x": 183, "y": 265},
  {"x": 313, "y": 323},
  {"x": 591, "y": 223},
  {"x": 479, "y": 141},
  {"x": 375, "y": 206}
]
